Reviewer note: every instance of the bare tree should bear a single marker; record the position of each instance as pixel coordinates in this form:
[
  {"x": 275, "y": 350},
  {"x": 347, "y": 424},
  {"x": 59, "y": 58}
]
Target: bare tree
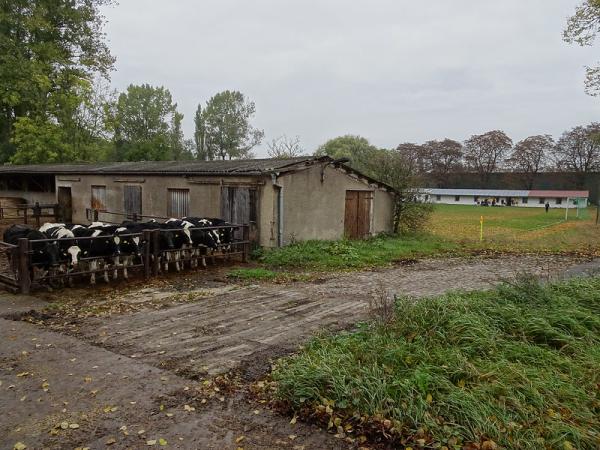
[
  {"x": 485, "y": 153},
  {"x": 285, "y": 147},
  {"x": 578, "y": 150},
  {"x": 530, "y": 156},
  {"x": 444, "y": 157}
]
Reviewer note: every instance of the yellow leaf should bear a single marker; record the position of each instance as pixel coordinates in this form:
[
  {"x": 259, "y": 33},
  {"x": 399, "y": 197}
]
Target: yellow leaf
[
  {"x": 74, "y": 426},
  {"x": 151, "y": 442},
  {"x": 429, "y": 398},
  {"x": 461, "y": 383},
  {"x": 568, "y": 446},
  {"x": 162, "y": 442},
  {"x": 22, "y": 374},
  {"x": 64, "y": 425},
  {"x": 239, "y": 439},
  {"x": 19, "y": 446},
  {"x": 293, "y": 421}
]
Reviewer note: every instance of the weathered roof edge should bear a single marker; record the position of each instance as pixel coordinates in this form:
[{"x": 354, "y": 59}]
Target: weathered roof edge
[{"x": 121, "y": 168}]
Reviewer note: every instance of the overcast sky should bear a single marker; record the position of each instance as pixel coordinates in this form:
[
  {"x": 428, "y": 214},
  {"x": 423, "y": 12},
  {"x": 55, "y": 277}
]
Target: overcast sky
[{"x": 390, "y": 70}]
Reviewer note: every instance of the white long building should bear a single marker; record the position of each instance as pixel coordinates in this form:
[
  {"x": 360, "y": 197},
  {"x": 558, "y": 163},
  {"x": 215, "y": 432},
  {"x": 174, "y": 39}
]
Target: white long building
[{"x": 502, "y": 197}]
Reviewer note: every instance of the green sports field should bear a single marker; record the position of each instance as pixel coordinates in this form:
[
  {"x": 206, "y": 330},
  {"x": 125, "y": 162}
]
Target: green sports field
[{"x": 514, "y": 228}]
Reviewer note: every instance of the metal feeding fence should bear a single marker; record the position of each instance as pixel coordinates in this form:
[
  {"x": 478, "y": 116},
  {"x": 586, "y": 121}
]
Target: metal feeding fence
[{"x": 21, "y": 270}]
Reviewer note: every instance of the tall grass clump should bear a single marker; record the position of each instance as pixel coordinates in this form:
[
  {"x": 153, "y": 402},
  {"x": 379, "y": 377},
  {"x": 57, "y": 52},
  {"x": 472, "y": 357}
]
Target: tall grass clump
[{"x": 518, "y": 366}]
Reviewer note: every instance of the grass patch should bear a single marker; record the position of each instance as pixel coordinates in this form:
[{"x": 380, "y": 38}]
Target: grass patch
[
  {"x": 517, "y": 365},
  {"x": 516, "y": 229},
  {"x": 345, "y": 254},
  {"x": 261, "y": 274}
]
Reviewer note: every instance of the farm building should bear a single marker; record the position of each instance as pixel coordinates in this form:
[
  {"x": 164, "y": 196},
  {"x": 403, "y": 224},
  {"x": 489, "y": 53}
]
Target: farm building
[
  {"x": 282, "y": 199},
  {"x": 529, "y": 199}
]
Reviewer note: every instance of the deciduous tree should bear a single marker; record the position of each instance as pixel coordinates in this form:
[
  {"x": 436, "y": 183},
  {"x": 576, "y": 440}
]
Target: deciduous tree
[
  {"x": 530, "y": 156},
  {"x": 285, "y": 147},
  {"x": 485, "y": 153},
  {"x": 582, "y": 29},
  {"x": 223, "y": 128},
  {"x": 147, "y": 125},
  {"x": 578, "y": 150},
  {"x": 49, "y": 51},
  {"x": 444, "y": 157}
]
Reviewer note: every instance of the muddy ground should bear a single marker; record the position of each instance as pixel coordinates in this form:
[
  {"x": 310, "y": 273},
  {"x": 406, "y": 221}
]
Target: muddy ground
[{"x": 145, "y": 365}]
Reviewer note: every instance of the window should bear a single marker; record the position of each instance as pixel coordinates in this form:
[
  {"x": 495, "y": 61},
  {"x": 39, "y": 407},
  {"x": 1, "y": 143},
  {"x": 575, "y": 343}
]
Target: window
[
  {"x": 99, "y": 198},
  {"x": 132, "y": 201},
  {"x": 525, "y": 200},
  {"x": 457, "y": 198},
  {"x": 438, "y": 198},
  {"x": 559, "y": 201},
  {"x": 178, "y": 203},
  {"x": 542, "y": 201}
]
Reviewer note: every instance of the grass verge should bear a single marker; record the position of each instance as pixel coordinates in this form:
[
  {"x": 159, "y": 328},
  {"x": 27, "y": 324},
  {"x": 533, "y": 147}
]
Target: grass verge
[
  {"x": 345, "y": 254},
  {"x": 516, "y": 366}
]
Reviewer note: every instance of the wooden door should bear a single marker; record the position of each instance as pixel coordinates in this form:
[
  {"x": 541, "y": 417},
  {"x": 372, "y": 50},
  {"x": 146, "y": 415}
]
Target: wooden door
[
  {"x": 65, "y": 204},
  {"x": 236, "y": 206},
  {"x": 357, "y": 220},
  {"x": 132, "y": 201}
]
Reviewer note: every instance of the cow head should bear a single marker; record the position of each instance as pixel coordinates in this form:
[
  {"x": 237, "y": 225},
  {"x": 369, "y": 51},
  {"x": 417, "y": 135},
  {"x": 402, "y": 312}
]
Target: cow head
[
  {"x": 74, "y": 251},
  {"x": 51, "y": 252}
]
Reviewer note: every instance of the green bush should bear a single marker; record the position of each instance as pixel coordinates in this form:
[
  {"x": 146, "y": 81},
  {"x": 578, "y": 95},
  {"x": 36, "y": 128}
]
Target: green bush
[
  {"x": 412, "y": 217},
  {"x": 518, "y": 365}
]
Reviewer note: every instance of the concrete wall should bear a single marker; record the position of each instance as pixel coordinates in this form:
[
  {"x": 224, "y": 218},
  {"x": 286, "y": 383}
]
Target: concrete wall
[
  {"x": 315, "y": 210},
  {"x": 205, "y": 194},
  {"x": 311, "y": 209}
]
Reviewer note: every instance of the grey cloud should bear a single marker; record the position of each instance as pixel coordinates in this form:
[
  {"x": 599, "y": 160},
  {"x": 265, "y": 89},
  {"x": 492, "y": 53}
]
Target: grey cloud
[{"x": 391, "y": 70}]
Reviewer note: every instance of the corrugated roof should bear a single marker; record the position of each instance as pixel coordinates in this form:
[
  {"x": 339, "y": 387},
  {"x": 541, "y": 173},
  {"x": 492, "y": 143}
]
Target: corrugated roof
[
  {"x": 239, "y": 167},
  {"x": 478, "y": 192},
  {"x": 217, "y": 167},
  {"x": 507, "y": 193},
  {"x": 560, "y": 194}
]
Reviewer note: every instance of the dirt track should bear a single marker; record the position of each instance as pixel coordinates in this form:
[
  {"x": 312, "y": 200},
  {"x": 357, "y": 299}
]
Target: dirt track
[{"x": 113, "y": 372}]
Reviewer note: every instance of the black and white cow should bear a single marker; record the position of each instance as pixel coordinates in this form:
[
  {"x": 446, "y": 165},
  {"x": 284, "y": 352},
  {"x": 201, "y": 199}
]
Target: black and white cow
[
  {"x": 65, "y": 239},
  {"x": 44, "y": 255},
  {"x": 182, "y": 240},
  {"x": 98, "y": 251}
]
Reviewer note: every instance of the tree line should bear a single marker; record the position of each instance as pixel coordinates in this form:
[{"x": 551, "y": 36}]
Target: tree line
[
  {"x": 56, "y": 106},
  {"x": 576, "y": 151}
]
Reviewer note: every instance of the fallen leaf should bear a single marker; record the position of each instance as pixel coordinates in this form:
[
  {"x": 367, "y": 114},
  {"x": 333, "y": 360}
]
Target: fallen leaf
[
  {"x": 151, "y": 442},
  {"x": 110, "y": 441},
  {"x": 19, "y": 446},
  {"x": 22, "y": 374},
  {"x": 162, "y": 442},
  {"x": 429, "y": 398},
  {"x": 189, "y": 408},
  {"x": 64, "y": 425},
  {"x": 169, "y": 414},
  {"x": 73, "y": 426},
  {"x": 239, "y": 439},
  {"x": 293, "y": 421}
]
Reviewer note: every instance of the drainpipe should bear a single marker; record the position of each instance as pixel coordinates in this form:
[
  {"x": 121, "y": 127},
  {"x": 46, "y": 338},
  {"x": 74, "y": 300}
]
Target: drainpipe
[{"x": 279, "y": 209}]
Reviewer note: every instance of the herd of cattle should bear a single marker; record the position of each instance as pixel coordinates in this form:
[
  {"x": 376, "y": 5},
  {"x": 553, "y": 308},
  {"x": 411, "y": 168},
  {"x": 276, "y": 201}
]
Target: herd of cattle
[{"x": 102, "y": 247}]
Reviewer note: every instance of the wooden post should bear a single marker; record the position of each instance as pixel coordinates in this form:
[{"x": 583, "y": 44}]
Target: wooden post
[
  {"x": 135, "y": 217},
  {"x": 156, "y": 252},
  {"x": 95, "y": 215},
  {"x": 37, "y": 212},
  {"x": 24, "y": 277},
  {"x": 25, "y": 215},
  {"x": 55, "y": 211},
  {"x": 147, "y": 239},
  {"x": 246, "y": 245}
]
